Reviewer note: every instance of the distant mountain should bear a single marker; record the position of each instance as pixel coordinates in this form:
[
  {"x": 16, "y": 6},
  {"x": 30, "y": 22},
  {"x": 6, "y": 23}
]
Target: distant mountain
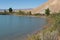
[{"x": 53, "y": 5}]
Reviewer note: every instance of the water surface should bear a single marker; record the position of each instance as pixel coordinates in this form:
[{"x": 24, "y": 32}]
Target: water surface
[{"x": 16, "y": 27}]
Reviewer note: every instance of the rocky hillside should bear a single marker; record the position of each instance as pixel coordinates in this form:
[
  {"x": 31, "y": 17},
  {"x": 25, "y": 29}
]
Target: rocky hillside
[{"x": 53, "y": 5}]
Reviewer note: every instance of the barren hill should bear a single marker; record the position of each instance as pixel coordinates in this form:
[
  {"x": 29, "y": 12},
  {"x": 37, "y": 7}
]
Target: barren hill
[{"x": 53, "y": 5}]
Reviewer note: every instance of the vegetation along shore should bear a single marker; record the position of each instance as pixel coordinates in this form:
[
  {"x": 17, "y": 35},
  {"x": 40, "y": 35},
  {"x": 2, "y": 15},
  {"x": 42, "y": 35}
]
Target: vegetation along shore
[
  {"x": 51, "y": 31},
  {"x": 11, "y": 11}
]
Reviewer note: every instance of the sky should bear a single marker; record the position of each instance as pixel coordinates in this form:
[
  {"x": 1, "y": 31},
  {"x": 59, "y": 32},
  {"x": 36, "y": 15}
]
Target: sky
[{"x": 20, "y": 4}]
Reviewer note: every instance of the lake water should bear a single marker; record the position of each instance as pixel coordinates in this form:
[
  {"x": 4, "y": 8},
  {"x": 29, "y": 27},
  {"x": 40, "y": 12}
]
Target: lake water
[{"x": 16, "y": 27}]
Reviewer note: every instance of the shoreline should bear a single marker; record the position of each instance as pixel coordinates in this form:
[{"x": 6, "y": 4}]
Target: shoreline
[
  {"x": 39, "y": 32},
  {"x": 32, "y": 16}
]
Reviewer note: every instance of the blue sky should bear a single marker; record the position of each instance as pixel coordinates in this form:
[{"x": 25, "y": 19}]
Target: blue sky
[{"x": 20, "y": 4}]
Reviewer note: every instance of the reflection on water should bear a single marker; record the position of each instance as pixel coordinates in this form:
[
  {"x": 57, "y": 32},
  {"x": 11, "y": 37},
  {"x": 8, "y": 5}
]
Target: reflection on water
[{"x": 16, "y": 27}]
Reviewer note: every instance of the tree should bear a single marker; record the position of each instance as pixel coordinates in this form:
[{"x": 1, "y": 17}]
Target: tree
[
  {"x": 29, "y": 13},
  {"x": 47, "y": 12},
  {"x": 10, "y": 10}
]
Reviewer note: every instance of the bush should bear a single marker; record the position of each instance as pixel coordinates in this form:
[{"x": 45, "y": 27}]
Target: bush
[
  {"x": 37, "y": 14},
  {"x": 29, "y": 13},
  {"x": 21, "y": 13},
  {"x": 2, "y": 13},
  {"x": 47, "y": 12}
]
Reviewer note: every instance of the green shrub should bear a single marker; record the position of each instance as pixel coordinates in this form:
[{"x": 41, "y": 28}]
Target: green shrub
[{"x": 47, "y": 12}]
